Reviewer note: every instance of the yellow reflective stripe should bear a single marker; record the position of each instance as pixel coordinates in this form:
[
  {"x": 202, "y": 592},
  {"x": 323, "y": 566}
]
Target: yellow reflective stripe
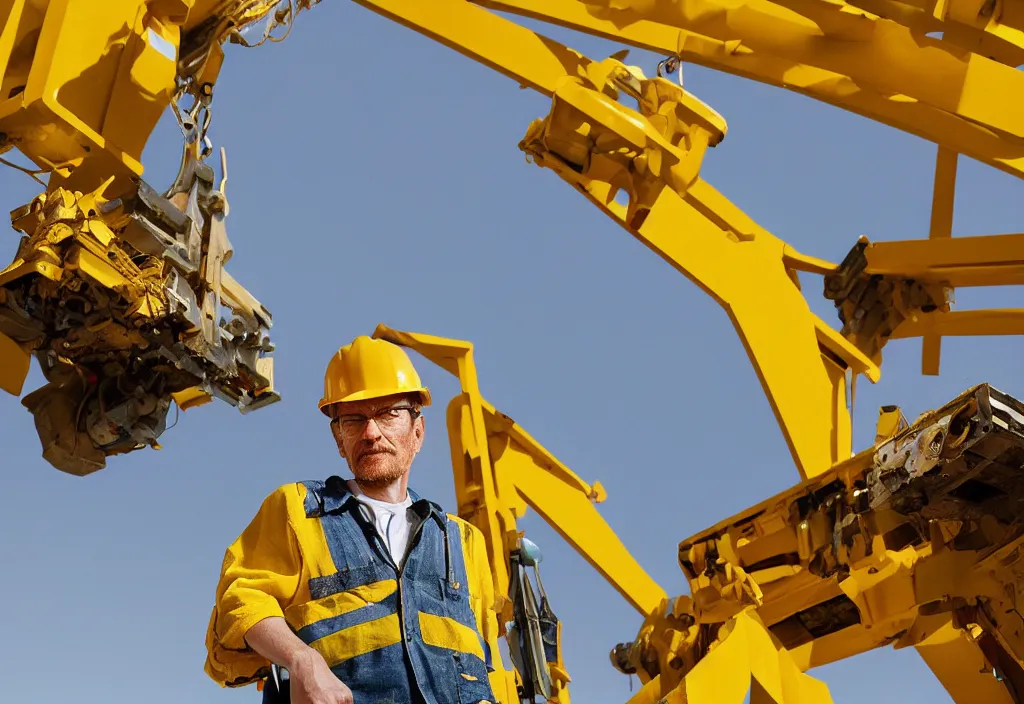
[
  {"x": 359, "y": 640},
  {"x": 481, "y": 611},
  {"x": 472, "y": 581},
  {"x": 302, "y": 615},
  {"x": 447, "y": 633},
  {"x": 310, "y": 533}
]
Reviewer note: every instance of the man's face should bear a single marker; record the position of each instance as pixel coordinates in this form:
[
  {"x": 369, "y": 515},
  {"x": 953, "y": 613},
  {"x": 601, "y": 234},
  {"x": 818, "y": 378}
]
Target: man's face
[{"x": 378, "y": 438}]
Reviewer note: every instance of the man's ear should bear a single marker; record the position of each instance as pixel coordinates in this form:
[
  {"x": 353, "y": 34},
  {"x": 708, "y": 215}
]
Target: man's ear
[{"x": 421, "y": 430}]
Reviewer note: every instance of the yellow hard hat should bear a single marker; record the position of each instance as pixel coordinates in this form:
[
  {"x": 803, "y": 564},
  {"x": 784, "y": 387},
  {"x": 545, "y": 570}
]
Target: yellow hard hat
[{"x": 368, "y": 368}]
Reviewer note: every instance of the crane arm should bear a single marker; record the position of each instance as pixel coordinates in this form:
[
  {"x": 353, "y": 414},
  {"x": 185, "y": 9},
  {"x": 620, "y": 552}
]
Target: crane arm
[
  {"x": 856, "y": 61},
  {"x": 172, "y": 51},
  {"x": 683, "y": 219},
  {"x": 500, "y": 470},
  {"x": 806, "y": 369}
]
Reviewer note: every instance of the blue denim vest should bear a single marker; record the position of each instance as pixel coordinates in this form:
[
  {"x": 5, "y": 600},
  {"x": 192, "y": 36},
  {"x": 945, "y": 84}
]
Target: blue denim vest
[{"x": 432, "y": 583}]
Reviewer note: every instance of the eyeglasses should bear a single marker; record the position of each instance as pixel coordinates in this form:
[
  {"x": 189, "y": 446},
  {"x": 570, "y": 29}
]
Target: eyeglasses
[{"x": 387, "y": 419}]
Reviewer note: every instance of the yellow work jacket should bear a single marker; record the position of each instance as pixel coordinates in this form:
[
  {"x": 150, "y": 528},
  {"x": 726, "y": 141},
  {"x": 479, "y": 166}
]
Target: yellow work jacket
[{"x": 311, "y": 557}]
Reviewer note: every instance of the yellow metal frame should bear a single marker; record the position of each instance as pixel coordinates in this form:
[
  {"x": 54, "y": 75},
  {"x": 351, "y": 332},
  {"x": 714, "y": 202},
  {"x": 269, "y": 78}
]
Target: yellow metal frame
[
  {"x": 81, "y": 91},
  {"x": 806, "y": 368},
  {"x": 500, "y": 471}
]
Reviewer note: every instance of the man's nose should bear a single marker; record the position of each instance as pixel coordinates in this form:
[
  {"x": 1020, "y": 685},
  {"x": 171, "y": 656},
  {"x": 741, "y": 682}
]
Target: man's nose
[{"x": 370, "y": 430}]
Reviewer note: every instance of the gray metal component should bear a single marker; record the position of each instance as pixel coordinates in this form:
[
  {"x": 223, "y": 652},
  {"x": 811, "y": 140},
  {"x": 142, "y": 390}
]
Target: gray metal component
[
  {"x": 168, "y": 213},
  {"x": 530, "y": 553},
  {"x": 137, "y": 421},
  {"x": 182, "y": 299},
  {"x": 962, "y": 462},
  {"x": 532, "y": 636},
  {"x": 173, "y": 320}
]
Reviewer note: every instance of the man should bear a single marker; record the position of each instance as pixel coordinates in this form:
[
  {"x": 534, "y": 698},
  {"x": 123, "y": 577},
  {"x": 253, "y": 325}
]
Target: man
[{"x": 361, "y": 590}]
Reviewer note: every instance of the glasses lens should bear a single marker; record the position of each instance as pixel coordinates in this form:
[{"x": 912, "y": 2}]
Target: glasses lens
[{"x": 387, "y": 420}]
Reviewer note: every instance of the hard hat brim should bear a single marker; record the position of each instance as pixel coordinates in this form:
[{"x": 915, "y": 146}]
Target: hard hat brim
[{"x": 366, "y": 394}]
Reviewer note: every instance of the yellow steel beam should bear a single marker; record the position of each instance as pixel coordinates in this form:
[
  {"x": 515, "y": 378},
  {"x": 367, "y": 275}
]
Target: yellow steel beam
[
  {"x": 748, "y": 661},
  {"x": 962, "y": 669},
  {"x": 566, "y": 503},
  {"x": 476, "y": 491},
  {"x": 944, "y": 193},
  {"x": 874, "y": 52},
  {"x": 801, "y": 362},
  {"x": 499, "y": 471},
  {"x": 506, "y": 47},
  {"x": 982, "y": 34},
  {"x": 480, "y": 500},
  {"x": 943, "y": 199},
  {"x": 983, "y": 260},
  {"x": 964, "y": 323},
  {"x": 736, "y": 57},
  {"x": 804, "y": 384},
  {"x": 512, "y": 471}
]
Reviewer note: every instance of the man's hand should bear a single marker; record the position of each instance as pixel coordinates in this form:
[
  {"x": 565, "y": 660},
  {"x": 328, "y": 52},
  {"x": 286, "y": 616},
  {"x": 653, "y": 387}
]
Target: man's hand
[
  {"x": 312, "y": 682},
  {"x": 310, "y": 679}
]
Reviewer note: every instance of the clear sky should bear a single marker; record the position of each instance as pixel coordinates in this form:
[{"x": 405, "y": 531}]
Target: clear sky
[{"x": 374, "y": 177}]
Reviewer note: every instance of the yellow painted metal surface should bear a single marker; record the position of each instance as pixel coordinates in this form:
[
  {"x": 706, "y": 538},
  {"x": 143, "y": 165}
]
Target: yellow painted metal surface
[
  {"x": 682, "y": 659},
  {"x": 99, "y": 80},
  {"x": 961, "y": 667},
  {"x": 877, "y": 541},
  {"x": 735, "y": 55},
  {"x": 524, "y": 474},
  {"x": 500, "y": 471},
  {"x": 14, "y": 365},
  {"x": 695, "y": 229},
  {"x": 868, "y": 566},
  {"x": 748, "y": 660}
]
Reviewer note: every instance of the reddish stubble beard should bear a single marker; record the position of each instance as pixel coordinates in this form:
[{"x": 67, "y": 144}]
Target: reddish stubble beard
[{"x": 377, "y": 465}]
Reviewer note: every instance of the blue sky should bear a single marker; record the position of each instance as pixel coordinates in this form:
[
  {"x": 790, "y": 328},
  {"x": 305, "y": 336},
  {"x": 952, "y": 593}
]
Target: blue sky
[{"x": 374, "y": 177}]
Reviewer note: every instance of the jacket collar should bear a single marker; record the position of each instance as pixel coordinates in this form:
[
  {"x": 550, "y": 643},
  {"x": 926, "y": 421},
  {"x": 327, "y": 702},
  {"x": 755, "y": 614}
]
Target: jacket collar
[
  {"x": 336, "y": 497},
  {"x": 424, "y": 508}
]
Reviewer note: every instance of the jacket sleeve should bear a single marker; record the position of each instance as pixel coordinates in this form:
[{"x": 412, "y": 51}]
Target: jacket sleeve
[
  {"x": 485, "y": 603},
  {"x": 259, "y": 577}
]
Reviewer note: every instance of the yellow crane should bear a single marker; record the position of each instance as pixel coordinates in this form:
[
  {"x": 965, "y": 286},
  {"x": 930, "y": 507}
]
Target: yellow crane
[{"x": 121, "y": 294}]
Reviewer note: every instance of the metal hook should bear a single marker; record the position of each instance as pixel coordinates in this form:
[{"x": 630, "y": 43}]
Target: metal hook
[
  {"x": 223, "y": 172},
  {"x": 671, "y": 64}
]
